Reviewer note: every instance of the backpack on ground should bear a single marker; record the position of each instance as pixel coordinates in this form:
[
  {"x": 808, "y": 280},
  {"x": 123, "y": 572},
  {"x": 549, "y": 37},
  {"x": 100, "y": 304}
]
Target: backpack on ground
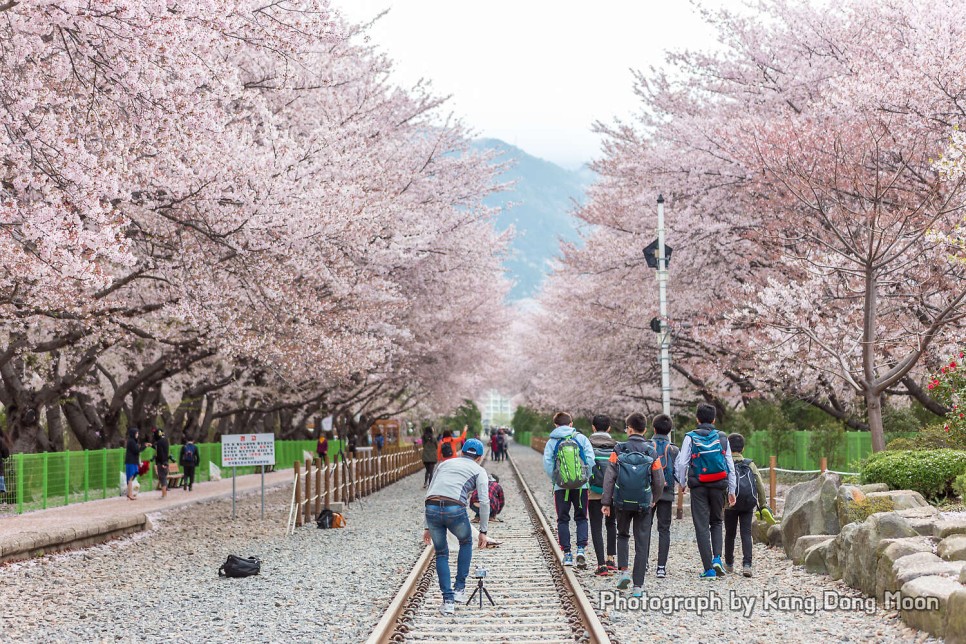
[
  {"x": 240, "y": 567},
  {"x": 746, "y": 496},
  {"x": 446, "y": 448},
  {"x": 632, "y": 489},
  {"x": 570, "y": 472},
  {"x": 328, "y": 519},
  {"x": 666, "y": 462},
  {"x": 708, "y": 457},
  {"x": 601, "y": 463}
]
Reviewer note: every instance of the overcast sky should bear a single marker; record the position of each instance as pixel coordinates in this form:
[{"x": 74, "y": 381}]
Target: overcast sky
[{"x": 535, "y": 73}]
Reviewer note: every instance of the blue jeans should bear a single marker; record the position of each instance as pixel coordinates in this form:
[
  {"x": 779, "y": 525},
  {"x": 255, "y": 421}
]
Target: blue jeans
[
  {"x": 450, "y": 519},
  {"x": 576, "y": 499}
]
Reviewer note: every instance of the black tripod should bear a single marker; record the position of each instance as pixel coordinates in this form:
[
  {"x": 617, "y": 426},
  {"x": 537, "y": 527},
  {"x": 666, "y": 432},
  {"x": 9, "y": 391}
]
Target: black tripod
[{"x": 480, "y": 590}]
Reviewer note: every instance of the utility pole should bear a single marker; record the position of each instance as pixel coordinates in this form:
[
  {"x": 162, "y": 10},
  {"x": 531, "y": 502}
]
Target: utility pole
[{"x": 664, "y": 337}]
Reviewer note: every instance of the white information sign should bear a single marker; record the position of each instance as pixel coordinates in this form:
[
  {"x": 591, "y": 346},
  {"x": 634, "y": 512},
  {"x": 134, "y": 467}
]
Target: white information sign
[{"x": 240, "y": 450}]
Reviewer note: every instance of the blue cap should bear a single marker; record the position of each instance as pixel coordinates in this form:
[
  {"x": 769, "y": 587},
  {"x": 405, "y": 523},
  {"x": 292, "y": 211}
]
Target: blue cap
[{"x": 473, "y": 446}]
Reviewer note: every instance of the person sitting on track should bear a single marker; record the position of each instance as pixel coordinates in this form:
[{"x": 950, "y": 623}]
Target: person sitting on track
[
  {"x": 497, "y": 499},
  {"x": 446, "y": 501}
]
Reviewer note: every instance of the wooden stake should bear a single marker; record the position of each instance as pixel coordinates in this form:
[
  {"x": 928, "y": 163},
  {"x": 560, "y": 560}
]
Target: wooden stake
[
  {"x": 298, "y": 494},
  {"x": 823, "y": 464}
]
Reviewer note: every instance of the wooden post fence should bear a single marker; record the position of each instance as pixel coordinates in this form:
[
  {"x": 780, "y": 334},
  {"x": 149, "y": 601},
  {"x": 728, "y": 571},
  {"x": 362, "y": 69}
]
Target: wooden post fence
[
  {"x": 823, "y": 464},
  {"x": 772, "y": 482}
]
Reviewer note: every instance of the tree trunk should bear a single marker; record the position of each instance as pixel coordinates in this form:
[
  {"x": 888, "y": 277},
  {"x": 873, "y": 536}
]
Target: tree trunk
[
  {"x": 55, "y": 428},
  {"x": 873, "y": 404}
]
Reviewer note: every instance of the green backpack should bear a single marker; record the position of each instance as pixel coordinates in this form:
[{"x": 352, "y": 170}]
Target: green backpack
[{"x": 570, "y": 471}]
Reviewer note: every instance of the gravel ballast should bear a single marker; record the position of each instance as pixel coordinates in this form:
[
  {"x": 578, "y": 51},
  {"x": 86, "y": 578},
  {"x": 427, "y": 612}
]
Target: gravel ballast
[
  {"x": 775, "y": 578},
  {"x": 314, "y": 586}
]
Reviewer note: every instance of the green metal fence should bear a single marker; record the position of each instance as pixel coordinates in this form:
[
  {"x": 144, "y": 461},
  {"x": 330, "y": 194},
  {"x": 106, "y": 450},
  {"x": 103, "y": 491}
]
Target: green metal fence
[{"x": 51, "y": 479}]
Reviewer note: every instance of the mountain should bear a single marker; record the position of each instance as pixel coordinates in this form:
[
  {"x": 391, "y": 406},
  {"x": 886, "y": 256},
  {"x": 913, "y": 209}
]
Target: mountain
[{"x": 538, "y": 206}]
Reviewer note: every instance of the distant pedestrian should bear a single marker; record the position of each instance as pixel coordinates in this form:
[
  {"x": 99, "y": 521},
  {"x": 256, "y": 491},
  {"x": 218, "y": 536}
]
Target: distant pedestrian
[
  {"x": 603, "y": 444},
  {"x": 494, "y": 446},
  {"x": 667, "y": 454},
  {"x": 378, "y": 441},
  {"x": 190, "y": 459},
  {"x": 353, "y": 443},
  {"x": 633, "y": 482},
  {"x": 446, "y": 501},
  {"x": 430, "y": 457},
  {"x": 567, "y": 459},
  {"x": 322, "y": 448},
  {"x": 449, "y": 445},
  {"x": 4, "y": 455},
  {"x": 132, "y": 459},
  {"x": 705, "y": 466},
  {"x": 501, "y": 445},
  {"x": 162, "y": 454},
  {"x": 749, "y": 497}
]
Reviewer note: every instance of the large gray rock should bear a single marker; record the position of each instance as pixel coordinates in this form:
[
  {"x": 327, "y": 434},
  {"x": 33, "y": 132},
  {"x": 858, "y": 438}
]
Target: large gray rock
[
  {"x": 859, "y": 552},
  {"x": 805, "y": 542},
  {"x": 946, "y": 527},
  {"x": 953, "y": 548},
  {"x": 900, "y": 499},
  {"x": 918, "y": 565},
  {"x": 923, "y": 520},
  {"x": 810, "y": 509},
  {"x": 814, "y": 558},
  {"x": 837, "y": 550},
  {"x": 956, "y": 616},
  {"x": 759, "y": 531},
  {"x": 892, "y": 551},
  {"x": 774, "y": 536},
  {"x": 874, "y": 487},
  {"x": 940, "y": 589}
]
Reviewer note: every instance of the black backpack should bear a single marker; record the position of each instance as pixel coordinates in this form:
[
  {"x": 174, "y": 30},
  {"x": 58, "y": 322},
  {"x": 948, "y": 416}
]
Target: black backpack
[
  {"x": 325, "y": 519},
  {"x": 240, "y": 567},
  {"x": 632, "y": 490},
  {"x": 446, "y": 449},
  {"x": 746, "y": 496}
]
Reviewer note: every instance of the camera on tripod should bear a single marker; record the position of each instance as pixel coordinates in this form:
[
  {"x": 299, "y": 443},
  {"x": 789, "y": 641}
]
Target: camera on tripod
[{"x": 480, "y": 590}]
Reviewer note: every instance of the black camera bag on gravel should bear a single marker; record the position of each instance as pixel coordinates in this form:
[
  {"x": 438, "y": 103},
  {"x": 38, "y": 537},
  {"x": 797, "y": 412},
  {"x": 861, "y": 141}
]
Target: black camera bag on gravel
[{"x": 240, "y": 567}]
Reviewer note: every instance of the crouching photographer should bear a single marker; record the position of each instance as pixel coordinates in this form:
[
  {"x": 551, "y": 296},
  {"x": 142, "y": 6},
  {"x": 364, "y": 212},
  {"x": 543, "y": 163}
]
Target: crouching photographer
[{"x": 446, "y": 503}]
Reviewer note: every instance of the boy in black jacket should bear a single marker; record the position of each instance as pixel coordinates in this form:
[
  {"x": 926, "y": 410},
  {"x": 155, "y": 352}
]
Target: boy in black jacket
[{"x": 667, "y": 453}]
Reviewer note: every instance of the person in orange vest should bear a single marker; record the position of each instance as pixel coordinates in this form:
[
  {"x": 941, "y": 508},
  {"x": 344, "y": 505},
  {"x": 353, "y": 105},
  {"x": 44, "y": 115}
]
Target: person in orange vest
[{"x": 449, "y": 445}]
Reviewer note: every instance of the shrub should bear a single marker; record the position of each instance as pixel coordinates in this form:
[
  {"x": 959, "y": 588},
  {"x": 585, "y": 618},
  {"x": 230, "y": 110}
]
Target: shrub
[
  {"x": 930, "y": 472},
  {"x": 959, "y": 486},
  {"x": 859, "y": 511},
  {"x": 901, "y": 444}
]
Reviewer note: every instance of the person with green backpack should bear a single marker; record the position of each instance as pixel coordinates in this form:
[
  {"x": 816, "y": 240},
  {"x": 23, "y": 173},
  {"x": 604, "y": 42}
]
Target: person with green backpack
[
  {"x": 632, "y": 485},
  {"x": 603, "y": 444},
  {"x": 568, "y": 459}
]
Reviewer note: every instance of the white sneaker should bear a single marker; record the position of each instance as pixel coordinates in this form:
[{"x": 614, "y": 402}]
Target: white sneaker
[
  {"x": 448, "y": 608},
  {"x": 459, "y": 596}
]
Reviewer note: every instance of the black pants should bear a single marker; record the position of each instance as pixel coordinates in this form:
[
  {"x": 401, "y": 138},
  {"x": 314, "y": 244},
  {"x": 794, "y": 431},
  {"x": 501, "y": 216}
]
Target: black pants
[
  {"x": 642, "y": 539},
  {"x": 707, "y": 510},
  {"x": 576, "y": 499},
  {"x": 663, "y": 512},
  {"x": 597, "y": 522},
  {"x": 429, "y": 472},
  {"x": 188, "y": 479},
  {"x": 732, "y": 520}
]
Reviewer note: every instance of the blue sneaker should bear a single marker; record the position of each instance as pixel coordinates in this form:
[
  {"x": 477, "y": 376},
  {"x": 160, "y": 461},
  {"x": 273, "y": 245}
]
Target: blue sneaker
[
  {"x": 581, "y": 557},
  {"x": 624, "y": 580},
  {"x": 717, "y": 566},
  {"x": 708, "y": 574},
  {"x": 638, "y": 591},
  {"x": 568, "y": 559}
]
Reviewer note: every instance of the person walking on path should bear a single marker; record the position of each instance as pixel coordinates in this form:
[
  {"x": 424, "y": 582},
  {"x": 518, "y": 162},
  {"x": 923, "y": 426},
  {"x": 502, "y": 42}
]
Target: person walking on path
[
  {"x": 667, "y": 454},
  {"x": 162, "y": 453},
  {"x": 603, "y": 444},
  {"x": 494, "y": 446},
  {"x": 189, "y": 461},
  {"x": 568, "y": 459},
  {"x": 322, "y": 448},
  {"x": 749, "y": 496},
  {"x": 430, "y": 457},
  {"x": 632, "y": 484},
  {"x": 446, "y": 503},
  {"x": 449, "y": 445},
  {"x": 705, "y": 466},
  {"x": 132, "y": 459}
]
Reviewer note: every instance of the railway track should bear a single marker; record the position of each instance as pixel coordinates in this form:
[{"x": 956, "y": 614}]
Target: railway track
[{"x": 536, "y": 598}]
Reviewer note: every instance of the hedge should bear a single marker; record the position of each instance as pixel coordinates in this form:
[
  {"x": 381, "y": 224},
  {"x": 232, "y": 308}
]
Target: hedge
[{"x": 929, "y": 472}]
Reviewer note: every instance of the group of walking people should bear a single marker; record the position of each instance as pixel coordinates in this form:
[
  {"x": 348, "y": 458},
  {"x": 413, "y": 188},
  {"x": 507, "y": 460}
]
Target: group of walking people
[
  {"x": 616, "y": 488},
  {"x": 499, "y": 440},
  {"x": 189, "y": 459}
]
